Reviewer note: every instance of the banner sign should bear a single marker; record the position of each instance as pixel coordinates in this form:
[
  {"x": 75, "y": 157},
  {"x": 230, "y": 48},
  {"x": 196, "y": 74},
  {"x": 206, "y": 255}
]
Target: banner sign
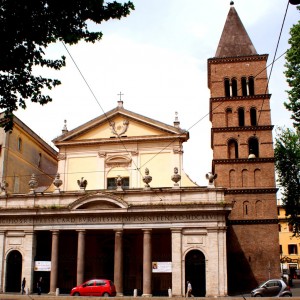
[
  {"x": 161, "y": 267},
  {"x": 42, "y": 266}
]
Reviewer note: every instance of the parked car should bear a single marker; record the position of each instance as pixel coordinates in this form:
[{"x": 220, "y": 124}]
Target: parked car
[
  {"x": 272, "y": 288},
  {"x": 95, "y": 287}
]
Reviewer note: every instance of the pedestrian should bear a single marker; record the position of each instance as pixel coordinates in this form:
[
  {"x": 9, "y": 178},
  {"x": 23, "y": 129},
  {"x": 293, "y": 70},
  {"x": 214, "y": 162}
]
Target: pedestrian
[
  {"x": 189, "y": 289},
  {"x": 39, "y": 286},
  {"x": 23, "y": 285}
]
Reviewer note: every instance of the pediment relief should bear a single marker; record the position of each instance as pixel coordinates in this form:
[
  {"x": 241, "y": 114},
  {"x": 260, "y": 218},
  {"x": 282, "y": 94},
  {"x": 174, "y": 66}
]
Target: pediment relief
[
  {"x": 118, "y": 161},
  {"x": 97, "y": 202}
]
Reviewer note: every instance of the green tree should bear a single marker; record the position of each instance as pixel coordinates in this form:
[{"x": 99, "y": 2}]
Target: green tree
[
  {"x": 287, "y": 162},
  {"x": 27, "y": 28},
  {"x": 292, "y": 74}
]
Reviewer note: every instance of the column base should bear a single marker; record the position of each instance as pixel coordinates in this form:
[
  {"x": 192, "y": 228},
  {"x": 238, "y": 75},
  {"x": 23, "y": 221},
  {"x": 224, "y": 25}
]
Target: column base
[
  {"x": 147, "y": 295},
  {"x": 119, "y": 295}
]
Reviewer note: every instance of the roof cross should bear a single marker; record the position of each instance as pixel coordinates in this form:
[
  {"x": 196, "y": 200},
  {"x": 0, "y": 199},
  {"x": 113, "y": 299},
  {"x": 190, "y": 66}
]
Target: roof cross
[{"x": 120, "y": 94}]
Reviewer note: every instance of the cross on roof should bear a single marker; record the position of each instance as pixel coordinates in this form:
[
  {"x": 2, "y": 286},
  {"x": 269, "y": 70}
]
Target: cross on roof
[{"x": 120, "y": 94}]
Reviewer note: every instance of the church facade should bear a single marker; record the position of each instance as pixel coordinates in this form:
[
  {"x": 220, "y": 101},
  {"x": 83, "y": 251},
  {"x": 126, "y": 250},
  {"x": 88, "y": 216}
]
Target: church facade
[{"x": 122, "y": 208}]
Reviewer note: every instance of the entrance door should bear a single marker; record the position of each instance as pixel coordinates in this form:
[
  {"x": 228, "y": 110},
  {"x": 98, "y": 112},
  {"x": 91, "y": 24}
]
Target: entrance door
[
  {"x": 195, "y": 272},
  {"x": 13, "y": 272}
]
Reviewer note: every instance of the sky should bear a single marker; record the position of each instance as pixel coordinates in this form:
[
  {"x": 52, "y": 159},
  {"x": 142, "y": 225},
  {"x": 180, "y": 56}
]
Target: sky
[{"x": 157, "y": 58}]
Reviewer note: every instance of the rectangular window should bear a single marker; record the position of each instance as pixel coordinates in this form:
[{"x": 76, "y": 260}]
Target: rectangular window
[
  {"x": 16, "y": 184},
  {"x": 280, "y": 249},
  {"x": 112, "y": 185},
  {"x": 293, "y": 249}
]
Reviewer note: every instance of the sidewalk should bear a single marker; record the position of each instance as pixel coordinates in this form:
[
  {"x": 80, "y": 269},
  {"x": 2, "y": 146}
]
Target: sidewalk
[{"x": 296, "y": 288}]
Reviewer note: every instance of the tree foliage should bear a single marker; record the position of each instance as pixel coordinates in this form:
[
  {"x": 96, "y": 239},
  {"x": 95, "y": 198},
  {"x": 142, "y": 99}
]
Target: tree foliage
[
  {"x": 292, "y": 74},
  {"x": 27, "y": 28},
  {"x": 287, "y": 162}
]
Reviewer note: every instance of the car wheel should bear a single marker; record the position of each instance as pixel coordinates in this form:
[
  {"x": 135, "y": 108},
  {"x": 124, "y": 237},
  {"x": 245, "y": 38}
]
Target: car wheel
[
  {"x": 286, "y": 295},
  {"x": 76, "y": 294},
  {"x": 106, "y": 295}
]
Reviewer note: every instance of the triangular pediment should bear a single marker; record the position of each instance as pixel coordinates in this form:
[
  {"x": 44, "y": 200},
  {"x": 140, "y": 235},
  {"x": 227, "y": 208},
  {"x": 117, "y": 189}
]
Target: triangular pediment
[{"x": 117, "y": 123}]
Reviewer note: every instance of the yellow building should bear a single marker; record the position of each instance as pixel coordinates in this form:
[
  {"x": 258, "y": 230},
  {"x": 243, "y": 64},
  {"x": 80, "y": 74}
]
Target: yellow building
[
  {"x": 125, "y": 149},
  {"x": 289, "y": 245},
  {"x": 23, "y": 153}
]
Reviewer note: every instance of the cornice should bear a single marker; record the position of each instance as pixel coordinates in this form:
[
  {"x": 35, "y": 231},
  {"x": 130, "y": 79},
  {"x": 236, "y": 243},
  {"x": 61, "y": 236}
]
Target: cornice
[
  {"x": 183, "y": 137},
  {"x": 232, "y": 191},
  {"x": 252, "y": 222},
  {"x": 244, "y": 160},
  {"x": 239, "y": 98},
  {"x": 243, "y": 128},
  {"x": 234, "y": 59}
]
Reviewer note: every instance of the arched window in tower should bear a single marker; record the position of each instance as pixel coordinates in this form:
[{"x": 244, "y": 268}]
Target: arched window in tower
[
  {"x": 229, "y": 117},
  {"x": 246, "y": 208},
  {"x": 233, "y": 149},
  {"x": 251, "y": 85},
  {"x": 232, "y": 178},
  {"x": 259, "y": 208},
  {"x": 253, "y": 146},
  {"x": 257, "y": 177},
  {"x": 241, "y": 115},
  {"x": 253, "y": 116},
  {"x": 244, "y": 86},
  {"x": 227, "y": 87},
  {"x": 245, "y": 178},
  {"x": 234, "y": 87}
]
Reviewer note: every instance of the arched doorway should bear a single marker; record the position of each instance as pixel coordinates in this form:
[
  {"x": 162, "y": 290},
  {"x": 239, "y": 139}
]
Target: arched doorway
[
  {"x": 195, "y": 272},
  {"x": 13, "y": 271}
]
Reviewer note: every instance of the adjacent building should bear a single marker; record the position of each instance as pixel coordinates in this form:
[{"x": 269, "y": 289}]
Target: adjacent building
[
  {"x": 23, "y": 153},
  {"x": 288, "y": 245}
]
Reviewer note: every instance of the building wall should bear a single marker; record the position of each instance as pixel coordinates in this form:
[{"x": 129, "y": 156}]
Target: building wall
[
  {"x": 24, "y": 154},
  {"x": 289, "y": 246}
]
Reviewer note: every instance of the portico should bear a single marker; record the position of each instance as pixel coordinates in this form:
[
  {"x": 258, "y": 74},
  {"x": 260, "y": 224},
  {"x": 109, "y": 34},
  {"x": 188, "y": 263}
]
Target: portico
[{"x": 82, "y": 242}]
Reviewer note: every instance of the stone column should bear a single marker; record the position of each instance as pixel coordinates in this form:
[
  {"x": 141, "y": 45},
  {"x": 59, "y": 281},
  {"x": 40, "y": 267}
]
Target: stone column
[
  {"x": 147, "y": 264},
  {"x": 54, "y": 262},
  {"x": 28, "y": 258},
  {"x": 118, "y": 266},
  {"x": 80, "y": 257},
  {"x": 177, "y": 263},
  {"x": 2, "y": 251},
  {"x": 213, "y": 262}
]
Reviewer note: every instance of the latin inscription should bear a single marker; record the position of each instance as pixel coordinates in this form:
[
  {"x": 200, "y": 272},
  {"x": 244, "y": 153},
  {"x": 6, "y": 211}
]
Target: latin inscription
[{"x": 123, "y": 219}]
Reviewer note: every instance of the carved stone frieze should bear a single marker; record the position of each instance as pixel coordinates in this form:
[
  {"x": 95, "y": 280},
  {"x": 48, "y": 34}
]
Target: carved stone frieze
[
  {"x": 62, "y": 220},
  {"x": 177, "y": 150},
  {"x": 118, "y": 161},
  {"x": 102, "y": 154},
  {"x": 118, "y": 129},
  {"x": 61, "y": 156}
]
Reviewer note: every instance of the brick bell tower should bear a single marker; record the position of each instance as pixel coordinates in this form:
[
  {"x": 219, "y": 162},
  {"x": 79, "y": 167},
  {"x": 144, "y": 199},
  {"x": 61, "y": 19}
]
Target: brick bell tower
[{"x": 243, "y": 156}]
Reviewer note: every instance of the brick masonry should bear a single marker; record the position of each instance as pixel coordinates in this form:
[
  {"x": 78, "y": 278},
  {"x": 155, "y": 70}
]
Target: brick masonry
[{"x": 252, "y": 239}]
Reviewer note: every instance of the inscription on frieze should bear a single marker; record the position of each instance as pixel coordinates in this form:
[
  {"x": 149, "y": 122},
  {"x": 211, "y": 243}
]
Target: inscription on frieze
[{"x": 108, "y": 219}]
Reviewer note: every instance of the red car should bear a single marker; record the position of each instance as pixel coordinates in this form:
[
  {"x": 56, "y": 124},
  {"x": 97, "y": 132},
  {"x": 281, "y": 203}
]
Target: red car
[{"x": 95, "y": 287}]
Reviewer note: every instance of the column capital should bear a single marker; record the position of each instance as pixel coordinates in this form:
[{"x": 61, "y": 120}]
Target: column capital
[
  {"x": 147, "y": 230},
  {"x": 178, "y": 230}
]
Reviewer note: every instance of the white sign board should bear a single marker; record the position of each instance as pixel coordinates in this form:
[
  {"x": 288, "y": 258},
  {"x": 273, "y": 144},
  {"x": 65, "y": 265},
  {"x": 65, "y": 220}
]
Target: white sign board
[
  {"x": 161, "y": 267},
  {"x": 42, "y": 266}
]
